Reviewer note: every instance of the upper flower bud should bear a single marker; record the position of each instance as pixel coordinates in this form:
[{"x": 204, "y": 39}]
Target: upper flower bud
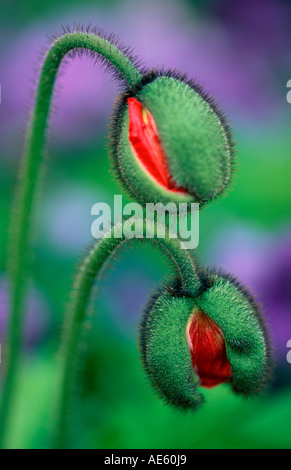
[
  {"x": 171, "y": 143},
  {"x": 218, "y": 336}
]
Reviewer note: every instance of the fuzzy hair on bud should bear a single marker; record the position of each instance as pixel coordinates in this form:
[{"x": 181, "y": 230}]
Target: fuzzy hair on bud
[
  {"x": 164, "y": 350},
  {"x": 247, "y": 340},
  {"x": 231, "y": 324},
  {"x": 192, "y": 137}
]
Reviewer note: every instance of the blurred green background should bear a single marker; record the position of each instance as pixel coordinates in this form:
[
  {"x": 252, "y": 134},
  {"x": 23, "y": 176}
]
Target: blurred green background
[{"x": 241, "y": 53}]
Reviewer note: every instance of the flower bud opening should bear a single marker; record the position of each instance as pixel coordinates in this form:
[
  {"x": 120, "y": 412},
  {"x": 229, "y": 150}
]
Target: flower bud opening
[
  {"x": 207, "y": 349},
  {"x": 147, "y": 147}
]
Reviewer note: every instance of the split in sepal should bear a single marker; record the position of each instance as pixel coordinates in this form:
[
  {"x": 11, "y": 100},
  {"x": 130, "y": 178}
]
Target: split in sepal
[
  {"x": 170, "y": 141},
  {"x": 219, "y": 336}
]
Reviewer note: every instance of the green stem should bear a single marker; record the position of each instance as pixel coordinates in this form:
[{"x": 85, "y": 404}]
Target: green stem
[
  {"x": 27, "y": 189},
  {"x": 184, "y": 267}
]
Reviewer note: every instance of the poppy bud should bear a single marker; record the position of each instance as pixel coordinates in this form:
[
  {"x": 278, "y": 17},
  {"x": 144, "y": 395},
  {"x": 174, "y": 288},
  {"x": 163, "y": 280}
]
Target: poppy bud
[
  {"x": 218, "y": 336},
  {"x": 171, "y": 143}
]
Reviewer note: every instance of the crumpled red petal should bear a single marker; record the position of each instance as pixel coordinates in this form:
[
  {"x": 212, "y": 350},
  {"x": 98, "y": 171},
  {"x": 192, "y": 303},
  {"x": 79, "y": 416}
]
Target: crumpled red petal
[
  {"x": 207, "y": 348},
  {"x": 146, "y": 145}
]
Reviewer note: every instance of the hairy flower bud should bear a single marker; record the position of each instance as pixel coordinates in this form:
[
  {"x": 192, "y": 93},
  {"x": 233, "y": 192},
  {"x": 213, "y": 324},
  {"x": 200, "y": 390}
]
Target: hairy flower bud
[
  {"x": 171, "y": 143},
  {"x": 217, "y": 337}
]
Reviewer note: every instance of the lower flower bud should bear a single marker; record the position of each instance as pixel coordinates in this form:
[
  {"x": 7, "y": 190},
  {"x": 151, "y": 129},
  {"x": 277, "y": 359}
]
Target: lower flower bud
[{"x": 218, "y": 336}]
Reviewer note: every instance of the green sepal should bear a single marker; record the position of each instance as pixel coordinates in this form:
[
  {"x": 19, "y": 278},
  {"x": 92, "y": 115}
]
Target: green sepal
[
  {"x": 247, "y": 340},
  {"x": 165, "y": 352}
]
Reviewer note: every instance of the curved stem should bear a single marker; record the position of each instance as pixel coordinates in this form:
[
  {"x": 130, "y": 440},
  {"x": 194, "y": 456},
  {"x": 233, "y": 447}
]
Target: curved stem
[
  {"x": 27, "y": 189},
  {"x": 184, "y": 267}
]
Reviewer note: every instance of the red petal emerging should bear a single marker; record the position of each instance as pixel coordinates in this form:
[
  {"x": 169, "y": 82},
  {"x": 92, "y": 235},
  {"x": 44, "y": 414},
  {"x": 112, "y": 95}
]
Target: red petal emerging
[
  {"x": 207, "y": 348},
  {"x": 146, "y": 145}
]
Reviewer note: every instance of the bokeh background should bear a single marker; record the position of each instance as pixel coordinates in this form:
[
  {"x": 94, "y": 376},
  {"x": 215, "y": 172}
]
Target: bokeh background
[{"x": 241, "y": 53}]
